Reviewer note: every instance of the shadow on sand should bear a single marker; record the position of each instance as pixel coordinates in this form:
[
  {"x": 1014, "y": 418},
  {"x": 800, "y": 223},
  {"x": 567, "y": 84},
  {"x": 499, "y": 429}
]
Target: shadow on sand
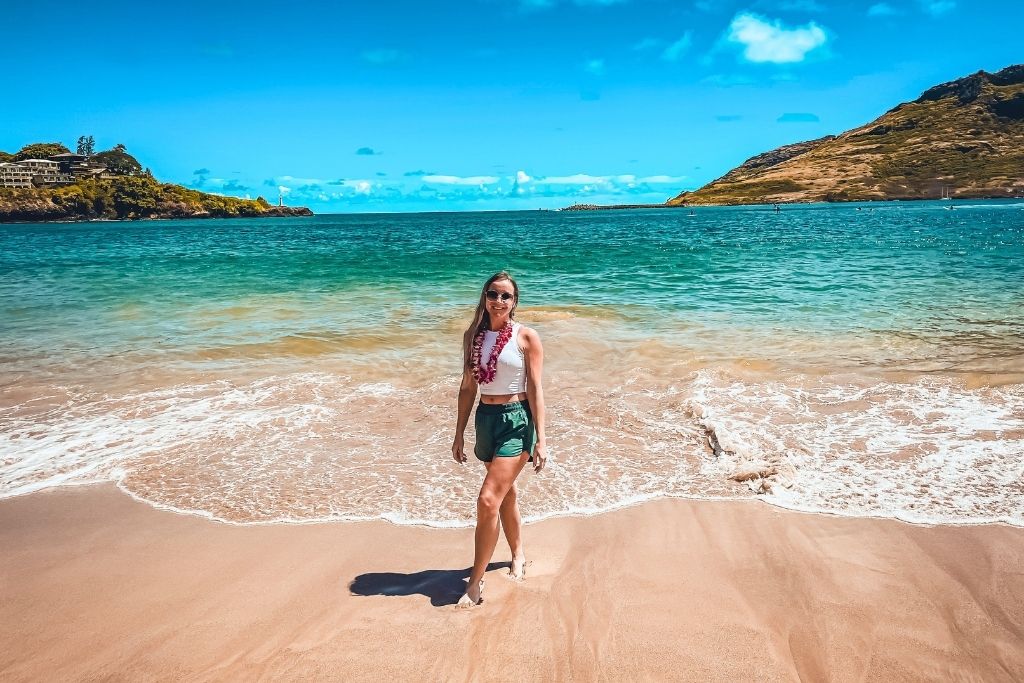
[{"x": 442, "y": 586}]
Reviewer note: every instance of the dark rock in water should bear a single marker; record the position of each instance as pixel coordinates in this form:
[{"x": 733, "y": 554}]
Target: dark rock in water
[
  {"x": 604, "y": 207},
  {"x": 756, "y": 473},
  {"x": 714, "y": 444},
  {"x": 280, "y": 211}
]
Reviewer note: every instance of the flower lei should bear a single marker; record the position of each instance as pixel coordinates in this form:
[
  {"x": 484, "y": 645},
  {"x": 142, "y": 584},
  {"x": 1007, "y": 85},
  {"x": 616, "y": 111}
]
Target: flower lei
[{"x": 485, "y": 375}]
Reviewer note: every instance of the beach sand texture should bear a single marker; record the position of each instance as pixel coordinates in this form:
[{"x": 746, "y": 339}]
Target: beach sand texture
[
  {"x": 297, "y": 382},
  {"x": 96, "y": 586}
]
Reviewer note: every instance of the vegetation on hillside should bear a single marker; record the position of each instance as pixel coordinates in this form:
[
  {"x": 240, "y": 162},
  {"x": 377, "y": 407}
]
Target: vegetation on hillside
[
  {"x": 118, "y": 161},
  {"x": 964, "y": 138},
  {"x": 133, "y": 193},
  {"x": 126, "y": 197},
  {"x": 40, "y": 150}
]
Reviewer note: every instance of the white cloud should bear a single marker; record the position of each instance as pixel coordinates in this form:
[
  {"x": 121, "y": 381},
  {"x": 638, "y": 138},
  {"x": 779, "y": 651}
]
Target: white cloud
[
  {"x": 797, "y": 6},
  {"x": 502, "y": 191},
  {"x": 460, "y": 180},
  {"x": 882, "y": 9},
  {"x": 770, "y": 41},
  {"x": 594, "y": 66},
  {"x": 673, "y": 52},
  {"x": 937, "y": 7},
  {"x": 292, "y": 180},
  {"x": 662, "y": 179},
  {"x": 545, "y": 4},
  {"x": 575, "y": 179},
  {"x": 648, "y": 44},
  {"x": 589, "y": 182}
]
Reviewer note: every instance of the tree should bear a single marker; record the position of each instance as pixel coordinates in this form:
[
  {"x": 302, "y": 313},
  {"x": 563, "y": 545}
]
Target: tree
[
  {"x": 40, "y": 150},
  {"x": 86, "y": 146},
  {"x": 119, "y": 162},
  {"x": 134, "y": 197}
]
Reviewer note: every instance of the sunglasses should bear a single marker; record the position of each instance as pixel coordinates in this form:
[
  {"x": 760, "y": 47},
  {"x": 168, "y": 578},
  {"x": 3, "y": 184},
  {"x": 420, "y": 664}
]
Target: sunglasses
[{"x": 494, "y": 294}]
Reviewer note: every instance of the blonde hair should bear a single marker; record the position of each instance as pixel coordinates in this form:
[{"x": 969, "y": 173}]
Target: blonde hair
[{"x": 482, "y": 319}]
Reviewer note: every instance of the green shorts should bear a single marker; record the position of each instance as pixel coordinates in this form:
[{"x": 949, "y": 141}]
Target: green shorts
[{"x": 504, "y": 430}]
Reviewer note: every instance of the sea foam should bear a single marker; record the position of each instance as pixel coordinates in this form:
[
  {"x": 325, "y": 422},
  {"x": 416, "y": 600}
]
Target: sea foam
[{"x": 315, "y": 446}]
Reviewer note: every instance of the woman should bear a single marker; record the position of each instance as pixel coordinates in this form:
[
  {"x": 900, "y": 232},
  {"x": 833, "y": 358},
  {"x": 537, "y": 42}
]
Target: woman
[{"x": 505, "y": 361}]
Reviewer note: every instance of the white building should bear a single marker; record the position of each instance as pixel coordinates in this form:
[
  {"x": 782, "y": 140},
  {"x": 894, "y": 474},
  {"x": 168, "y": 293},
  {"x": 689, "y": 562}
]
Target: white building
[
  {"x": 45, "y": 172},
  {"x": 15, "y": 175}
]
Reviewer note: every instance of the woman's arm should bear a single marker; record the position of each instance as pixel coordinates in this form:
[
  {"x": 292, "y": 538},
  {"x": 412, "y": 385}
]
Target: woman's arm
[
  {"x": 534, "y": 353},
  {"x": 467, "y": 394}
]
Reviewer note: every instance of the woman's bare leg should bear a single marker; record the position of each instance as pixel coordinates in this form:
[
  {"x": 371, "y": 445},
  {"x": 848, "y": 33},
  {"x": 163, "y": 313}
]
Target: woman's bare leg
[
  {"x": 512, "y": 523},
  {"x": 501, "y": 476}
]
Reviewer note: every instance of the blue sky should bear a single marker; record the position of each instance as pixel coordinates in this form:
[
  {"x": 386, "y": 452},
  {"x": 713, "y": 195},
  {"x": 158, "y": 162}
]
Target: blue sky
[{"x": 480, "y": 104}]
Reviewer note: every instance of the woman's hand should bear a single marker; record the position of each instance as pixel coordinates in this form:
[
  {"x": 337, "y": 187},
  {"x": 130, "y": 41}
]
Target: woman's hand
[
  {"x": 459, "y": 449},
  {"x": 540, "y": 456}
]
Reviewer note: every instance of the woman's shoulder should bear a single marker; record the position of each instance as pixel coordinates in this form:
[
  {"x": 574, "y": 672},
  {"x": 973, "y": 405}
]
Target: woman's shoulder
[{"x": 528, "y": 334}]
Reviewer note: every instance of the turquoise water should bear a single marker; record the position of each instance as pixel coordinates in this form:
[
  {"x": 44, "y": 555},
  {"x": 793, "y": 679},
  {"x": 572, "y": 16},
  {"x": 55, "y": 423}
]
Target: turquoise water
[
  {"x": 950, "y": 279},
  {"x": 165, "y": 355}
]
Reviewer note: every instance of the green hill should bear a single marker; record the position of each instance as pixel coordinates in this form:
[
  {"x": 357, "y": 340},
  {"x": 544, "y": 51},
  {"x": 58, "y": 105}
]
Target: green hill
[
  {"x": 131, "y": 193},
  {"x": 964, "y": 138}
]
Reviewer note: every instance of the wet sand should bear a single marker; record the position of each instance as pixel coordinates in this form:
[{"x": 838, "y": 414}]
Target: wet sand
[{"x": 97, "y": 586}]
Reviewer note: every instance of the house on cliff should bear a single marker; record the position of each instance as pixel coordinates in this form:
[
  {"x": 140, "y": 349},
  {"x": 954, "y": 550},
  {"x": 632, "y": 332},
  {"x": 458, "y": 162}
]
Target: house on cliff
[{"x": 59, "y": 169}]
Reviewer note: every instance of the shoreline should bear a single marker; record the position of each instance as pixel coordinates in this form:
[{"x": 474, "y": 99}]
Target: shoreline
[
  {"x": 792, "y": 202},
  {"x": 301, "y": 211},
  {"x": 293, "y": 212},
  {"x": 527, "y": 521},
  {"x": 97, "y": 584}
]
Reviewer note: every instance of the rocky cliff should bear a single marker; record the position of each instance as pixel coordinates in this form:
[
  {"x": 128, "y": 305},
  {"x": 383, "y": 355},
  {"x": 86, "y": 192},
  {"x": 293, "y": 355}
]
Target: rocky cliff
[{"x": 964, "y": 138}]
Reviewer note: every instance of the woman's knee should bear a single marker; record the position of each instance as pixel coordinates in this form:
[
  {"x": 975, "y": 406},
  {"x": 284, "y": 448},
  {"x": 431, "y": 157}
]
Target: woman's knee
[{"x": 488, "y": 501}]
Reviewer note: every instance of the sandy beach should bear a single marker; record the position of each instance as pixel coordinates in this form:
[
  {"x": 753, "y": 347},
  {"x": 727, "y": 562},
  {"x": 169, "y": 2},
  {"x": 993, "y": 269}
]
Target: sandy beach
[{"x": 97, "y": 586}]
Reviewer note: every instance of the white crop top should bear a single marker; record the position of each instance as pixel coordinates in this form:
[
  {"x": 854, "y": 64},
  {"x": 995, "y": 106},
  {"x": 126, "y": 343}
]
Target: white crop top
[{"x": 510, "y": 374}]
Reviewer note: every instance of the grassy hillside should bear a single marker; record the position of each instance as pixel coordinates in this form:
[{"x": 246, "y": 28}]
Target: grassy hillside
[
  {"x": 132, "y": 193},
  {"x": 128, "y": 197},
  {"x": 966, "y": 136}
]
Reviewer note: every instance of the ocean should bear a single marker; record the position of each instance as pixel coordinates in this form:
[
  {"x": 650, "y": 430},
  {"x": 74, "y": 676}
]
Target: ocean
[{"x": 852, "y": 359}]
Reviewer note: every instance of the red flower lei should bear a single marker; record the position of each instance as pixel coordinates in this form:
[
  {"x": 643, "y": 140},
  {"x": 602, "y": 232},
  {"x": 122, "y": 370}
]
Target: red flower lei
[{"x": 485, "y": 375}]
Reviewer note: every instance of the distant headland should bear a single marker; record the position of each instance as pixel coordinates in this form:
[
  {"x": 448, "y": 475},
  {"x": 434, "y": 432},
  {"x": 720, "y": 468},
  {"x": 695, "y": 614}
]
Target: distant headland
[
  {"x": 959, "y": 140},
  {"x": 46, "y": 181}
]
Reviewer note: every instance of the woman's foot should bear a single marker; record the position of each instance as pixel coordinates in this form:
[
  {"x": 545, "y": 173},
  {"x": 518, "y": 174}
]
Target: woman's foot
[
  {"x": 473, "y": 596},
  {"x": 517, "y": 570}
]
